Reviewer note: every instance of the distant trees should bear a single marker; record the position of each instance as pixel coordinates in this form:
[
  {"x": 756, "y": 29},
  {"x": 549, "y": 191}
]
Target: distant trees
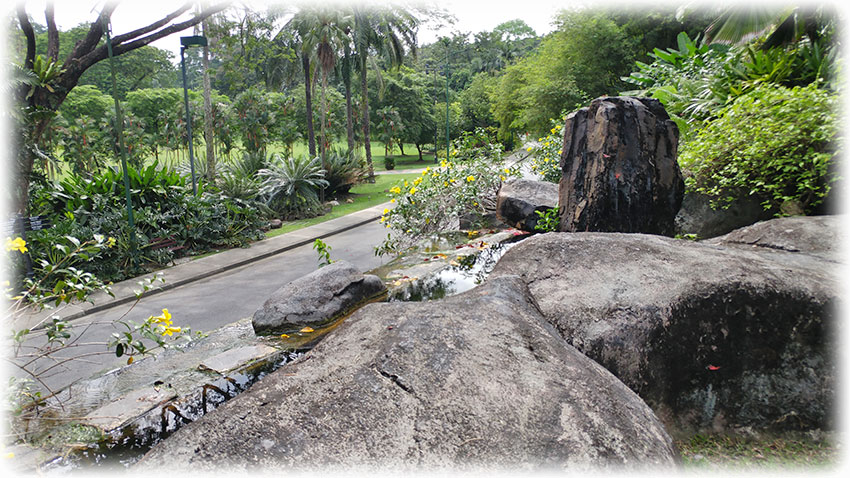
[{"x": 51, "y": 79}]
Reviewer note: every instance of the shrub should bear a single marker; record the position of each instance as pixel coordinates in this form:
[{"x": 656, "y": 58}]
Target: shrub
[
  {"x": 343, "y": 169},
  {"x": 163, "y": 206},
  {"x": 290, "y": 186},
  {"x": 389, "y": 163},
  {"x": 546, "y": 153},
  {"x": 774, "y": 142},
  {"x": 434, "y": 202}
]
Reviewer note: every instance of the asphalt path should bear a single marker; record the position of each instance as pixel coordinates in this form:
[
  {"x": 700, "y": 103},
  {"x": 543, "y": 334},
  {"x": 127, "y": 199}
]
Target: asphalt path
[{"x": 207, "y": 304}]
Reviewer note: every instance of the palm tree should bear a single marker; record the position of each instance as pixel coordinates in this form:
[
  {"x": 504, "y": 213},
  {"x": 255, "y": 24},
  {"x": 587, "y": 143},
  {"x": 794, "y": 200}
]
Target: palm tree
[
  {"x": 738, "y": 25},
  {"x": 301, "y": 25},
  {"x": 386, "y": 30},
  {"x": 325, "y": 37}
]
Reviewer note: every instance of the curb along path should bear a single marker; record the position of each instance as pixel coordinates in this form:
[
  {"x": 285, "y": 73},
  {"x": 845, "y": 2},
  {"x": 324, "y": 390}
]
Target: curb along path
[{"x": 188, "y": 272}]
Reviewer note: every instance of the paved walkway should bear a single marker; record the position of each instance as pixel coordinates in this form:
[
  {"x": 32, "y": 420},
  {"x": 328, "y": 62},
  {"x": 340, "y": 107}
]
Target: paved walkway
[{"x": 188, "y": 272}]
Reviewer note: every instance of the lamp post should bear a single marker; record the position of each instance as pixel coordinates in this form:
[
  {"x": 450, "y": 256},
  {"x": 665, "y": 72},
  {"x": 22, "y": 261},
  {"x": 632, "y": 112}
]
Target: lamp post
[
  {"x": 119, "y": 133},
  {"x": 447, "y": 99},
  {"x": 185, "y": 43}
]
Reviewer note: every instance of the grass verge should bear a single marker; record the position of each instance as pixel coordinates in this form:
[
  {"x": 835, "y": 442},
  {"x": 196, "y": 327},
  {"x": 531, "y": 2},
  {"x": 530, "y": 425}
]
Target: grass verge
[
  {"x": 362, "y": 196},
  {"x": 766, "y": 453}
]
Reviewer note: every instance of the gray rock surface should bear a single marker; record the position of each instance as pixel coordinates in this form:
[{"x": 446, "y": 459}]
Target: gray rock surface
[
  {"x": 696, "y": 216},
  {"x": 476, "y": 381},
  {"x": 519, "y": 199},
  {"x": 821, "y": 236},
  {"x": 713, "y": 337},
  {"x": 619, "y": 168},
  {"x": 316, "y": 299}
]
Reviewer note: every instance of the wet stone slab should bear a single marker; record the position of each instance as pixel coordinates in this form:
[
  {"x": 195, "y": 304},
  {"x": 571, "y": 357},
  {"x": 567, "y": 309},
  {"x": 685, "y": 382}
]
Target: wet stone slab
[
  {"x": 235, "y": 358},
  {"x": 132, "y": 405}
]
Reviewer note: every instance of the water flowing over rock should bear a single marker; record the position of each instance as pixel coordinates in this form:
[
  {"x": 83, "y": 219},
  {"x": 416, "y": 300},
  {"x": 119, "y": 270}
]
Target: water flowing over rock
[
  {"x": 712, "y": 336},
  {"x": 520, "y": 199},
  {"x": 475, "y": 381},
  {"x": 619, "y": 168},
  {"x": 316, "y": 299}
]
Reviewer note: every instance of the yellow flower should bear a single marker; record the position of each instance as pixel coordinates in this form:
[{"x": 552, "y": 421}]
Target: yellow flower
[
  {"x": 560, "y": 152},
  {"x": 110, "y": 242},
  {"x": 529, "y": 148},
  {"x": 170, "y": 330},
  {"x": 392, "y": 200},
  {"x": 502, "y": 177},
  {"x": 164, "y": 319},
  {"x": 417, "y": 181},
  {"x": 443, "y": 163},
  {"x": 406, "y": 184},
  {"x": 470, "y": 178},
  {"x": 395, "y": 190},
  {"x": 413, "y": 190},
  {"x": 507, "y": 171},
  {"x": 17, "y": 244},
  {"x": 386, "y": 210},
  {"x": 383, "y": 219},
  {"x": 553, "y": 130},
  {"x": 284, "y": 336},
  {"x": 427, "y": 170},
  {"x": 307, "y": 330}
]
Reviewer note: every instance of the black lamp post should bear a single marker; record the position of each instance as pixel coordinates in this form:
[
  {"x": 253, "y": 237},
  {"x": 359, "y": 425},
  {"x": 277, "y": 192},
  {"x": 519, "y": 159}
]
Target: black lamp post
[{"x": 185, "y": 43}]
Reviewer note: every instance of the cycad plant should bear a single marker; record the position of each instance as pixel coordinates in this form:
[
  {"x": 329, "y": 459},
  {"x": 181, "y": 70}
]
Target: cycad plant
[
  {"x": 291, "y": 186},
  {"x": 343, "y": 169}
]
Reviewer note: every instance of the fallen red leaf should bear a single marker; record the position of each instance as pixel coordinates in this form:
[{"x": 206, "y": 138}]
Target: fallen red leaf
[{"x": 713, "y": 368}]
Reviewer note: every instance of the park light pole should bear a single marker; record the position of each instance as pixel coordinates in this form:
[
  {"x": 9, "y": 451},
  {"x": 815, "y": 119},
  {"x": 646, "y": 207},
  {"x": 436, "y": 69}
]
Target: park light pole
[
  {"x": 185, "y": 43},
  {"x": 119, "y": 134},
  {"x": 447, "y": 99}
]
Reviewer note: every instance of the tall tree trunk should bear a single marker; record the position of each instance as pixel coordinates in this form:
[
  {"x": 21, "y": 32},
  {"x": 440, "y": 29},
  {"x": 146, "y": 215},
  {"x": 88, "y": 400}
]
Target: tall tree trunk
[
  {"x": 419, "y": 149},
  {"x": 349, "y": 114},
  {"x": 323, "y": 131},
  {"x": 401, "y": 146},
  {"x": 367, "y": 143},
  {"x": 209, "y": 135},
  {"x": 308, "y": 99}
]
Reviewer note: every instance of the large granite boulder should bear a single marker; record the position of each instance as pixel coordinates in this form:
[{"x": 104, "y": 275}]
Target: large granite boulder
[
  {"x": 619, "y": 168},
  {"x": 475, "y": 381},
  {"x": 712, "y": 337},
  {"x": 821, "y": 236},
  {"x": 519, "y": 200},
  {"x": 696, "y": 216},
  {"x": 317, "y": 299}
]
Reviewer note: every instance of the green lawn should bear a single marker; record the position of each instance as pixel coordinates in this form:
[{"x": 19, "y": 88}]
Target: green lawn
[
  {"x": 364, "y": 196},
  {"x": 408, "y": 161}
]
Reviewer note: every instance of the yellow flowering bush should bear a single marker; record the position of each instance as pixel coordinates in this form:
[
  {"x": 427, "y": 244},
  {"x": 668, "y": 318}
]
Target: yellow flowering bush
[
  {"x": 434, "y": 201},
  {"x": 37, "y": 349},
  {"x": 546, "y": 153}
]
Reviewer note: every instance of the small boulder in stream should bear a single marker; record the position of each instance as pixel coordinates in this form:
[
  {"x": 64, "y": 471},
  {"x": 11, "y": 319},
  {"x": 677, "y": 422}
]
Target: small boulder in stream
[
  {"x": 519, "y": 200},
  {"x": 473, "y": 382},
  {"x": 317, "y": 299},
  {"x": 737, "y": 333}
]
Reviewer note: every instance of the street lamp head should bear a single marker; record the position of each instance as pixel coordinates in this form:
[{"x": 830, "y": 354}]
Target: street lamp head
[{"x": 196, "y": 40}]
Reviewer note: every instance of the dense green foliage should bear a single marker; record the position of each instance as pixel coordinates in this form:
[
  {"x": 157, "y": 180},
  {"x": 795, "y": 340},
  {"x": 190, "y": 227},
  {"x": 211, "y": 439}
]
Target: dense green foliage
[
  {"x": 163, "y": 206},
  {"x": 754, "y": 119},
  {"x": 773, "y": 142}
]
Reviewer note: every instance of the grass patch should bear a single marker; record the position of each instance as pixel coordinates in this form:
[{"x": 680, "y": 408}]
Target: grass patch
[
  {"x": 793, "y": 451},
  {"x": 362, "y": 196}
]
